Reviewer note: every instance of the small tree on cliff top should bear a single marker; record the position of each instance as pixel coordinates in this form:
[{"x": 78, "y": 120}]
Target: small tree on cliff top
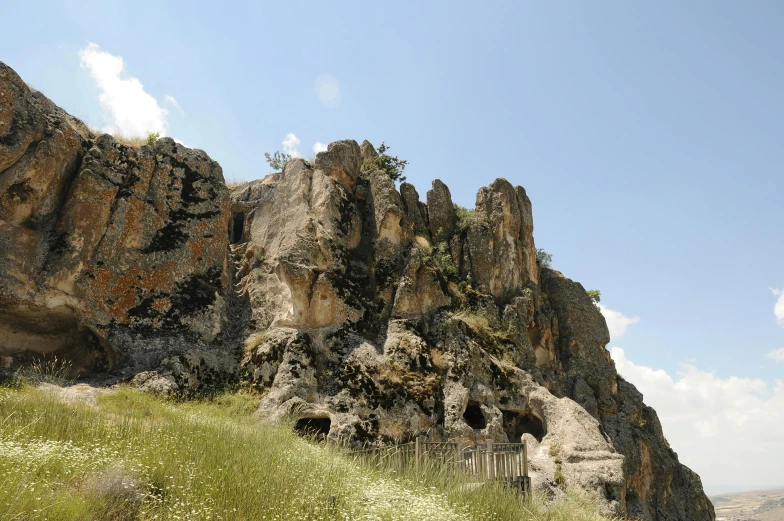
[
  {"x": 390, "y": 165},
  {"x": 277, "y": 161},
  {"x": 596, "y": 296},
  {"x": 543, "y": 258}
]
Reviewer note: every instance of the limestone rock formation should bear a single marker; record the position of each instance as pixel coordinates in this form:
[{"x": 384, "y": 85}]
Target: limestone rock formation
[
  {"x": 441, "y": 212},
  {"x": 385, "y": 318},
  {"x": 105, "y": 250},
  {"x": 348, "y": 303}
]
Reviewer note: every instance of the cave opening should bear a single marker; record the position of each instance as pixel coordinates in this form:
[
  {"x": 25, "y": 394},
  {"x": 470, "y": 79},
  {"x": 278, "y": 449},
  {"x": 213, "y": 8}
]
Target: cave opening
[
  {"x": 52, "y": 339},
  {"x": 237, "y": 227},
  {"x": 516, "y": 424},
  {"x": 473, "y": 416},
  {"x": 313, "y": 427}
]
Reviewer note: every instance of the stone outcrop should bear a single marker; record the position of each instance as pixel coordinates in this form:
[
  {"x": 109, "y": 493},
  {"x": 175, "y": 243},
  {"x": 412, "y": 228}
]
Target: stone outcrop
[
  {"x": 103, "y": 245},
  {"x": 388, "y": 318},
  {"x": 341, "y": 161},
  {"x": 441, "y": 212},
  {"x": 345, "y": 301}
]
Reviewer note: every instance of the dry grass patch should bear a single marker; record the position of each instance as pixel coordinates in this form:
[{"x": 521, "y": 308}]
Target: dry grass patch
[
  {"x": 254, "y": 340},
  {"x": 131, "y": 141},
  {"x": 440, "y": 360},
  {"x": 233, "y": 183}
]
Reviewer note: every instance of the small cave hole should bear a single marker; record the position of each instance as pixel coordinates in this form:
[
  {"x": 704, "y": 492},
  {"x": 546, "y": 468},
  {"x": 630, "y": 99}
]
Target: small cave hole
[
  {"x": 473, "y": 416},
  {"x": 516, "y": 424},
  {"x": 237, "y": 227},
  {"x": 610, "y": 493},
  {"x": 313, "y": 427}
]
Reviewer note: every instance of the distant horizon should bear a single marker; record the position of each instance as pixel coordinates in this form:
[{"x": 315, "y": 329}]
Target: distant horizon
[{"x": 712, "y": 494}]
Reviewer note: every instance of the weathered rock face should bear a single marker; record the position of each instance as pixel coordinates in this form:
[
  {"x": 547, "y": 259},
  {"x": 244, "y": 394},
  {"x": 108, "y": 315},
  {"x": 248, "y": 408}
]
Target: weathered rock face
[
  {"x": 358, "y": 306},
  {"x": 103, "y": 246},
  {"x": 391, "y": 318}
]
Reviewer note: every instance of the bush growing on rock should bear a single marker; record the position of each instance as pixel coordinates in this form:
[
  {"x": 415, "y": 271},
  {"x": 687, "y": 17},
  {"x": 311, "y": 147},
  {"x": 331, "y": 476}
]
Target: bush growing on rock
[
  {"x": 464, "y": 215},
  {"x": 596, "y": 296},
  {"x": 278, "y": 160},
  {"x": 443, "y": 260},
  {"x": 390, "y": 165},
  {"x": 543, "y": 258}
]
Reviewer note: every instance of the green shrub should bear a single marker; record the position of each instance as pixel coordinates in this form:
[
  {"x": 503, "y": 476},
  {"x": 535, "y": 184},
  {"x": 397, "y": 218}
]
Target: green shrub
[
  {"x": 152, "y": 137},
  {"x": 478, "y": 321},
  {"x": 596, "y": 296},
  {"x": 464, "y": 215},
  {"x": 444, "y": 262},
  {"x": 558, "y": 477},
  {"x": 277, "y": 161},
  {"x": 390, "y": 165},
  {"x": 543, "y": 258}
]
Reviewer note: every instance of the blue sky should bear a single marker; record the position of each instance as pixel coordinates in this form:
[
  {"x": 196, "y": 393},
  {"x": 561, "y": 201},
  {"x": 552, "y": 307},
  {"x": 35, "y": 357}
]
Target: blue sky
[{"x": 648, "y": 136}]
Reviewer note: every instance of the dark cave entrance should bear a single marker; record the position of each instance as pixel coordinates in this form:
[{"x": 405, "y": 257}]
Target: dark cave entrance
[
  {"x": 54, "y": 340},
  {"x": 236, "y": 227},
  {"x": 313, "y": 427},
  {"x": 473, "y": 416},
  {"x": 516, "y": 424}
]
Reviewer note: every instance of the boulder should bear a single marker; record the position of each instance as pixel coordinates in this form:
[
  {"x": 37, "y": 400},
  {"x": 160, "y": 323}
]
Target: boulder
[
  {"x": 368, "y": 151},
  {"x": 341, "y": 161},
  {"x": 441, "y": 212},
  {"x": 500, "y": 243},
  {"x": 416, "y": 212}
]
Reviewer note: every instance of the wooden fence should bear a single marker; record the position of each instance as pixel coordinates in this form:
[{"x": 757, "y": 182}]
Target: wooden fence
[{"x": 505, "y": 462}]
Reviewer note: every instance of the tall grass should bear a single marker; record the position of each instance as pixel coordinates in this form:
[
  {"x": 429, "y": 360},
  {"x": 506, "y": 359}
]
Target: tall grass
[{"x": 135, "y": 457}]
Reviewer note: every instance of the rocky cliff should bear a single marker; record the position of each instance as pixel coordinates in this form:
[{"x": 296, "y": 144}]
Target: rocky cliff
[{"x": 370, "y": 315}]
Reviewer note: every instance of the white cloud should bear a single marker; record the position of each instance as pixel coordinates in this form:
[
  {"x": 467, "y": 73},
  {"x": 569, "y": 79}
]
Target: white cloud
[
  {"x": 617, "y": 322},
  {"x": 290, "y": 145},
  {"x": 176, "y": 104},
  {"x": 777, "y": 354},
  {"x": 728, "y": 430},
  {"x": 319, "y": 147},
  {"x": 778, "y": 307},
  {"x": 131, "y": 110}
]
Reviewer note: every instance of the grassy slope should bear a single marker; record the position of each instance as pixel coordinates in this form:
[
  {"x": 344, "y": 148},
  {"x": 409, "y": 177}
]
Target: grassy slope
[{"x": 136, "y": 457}]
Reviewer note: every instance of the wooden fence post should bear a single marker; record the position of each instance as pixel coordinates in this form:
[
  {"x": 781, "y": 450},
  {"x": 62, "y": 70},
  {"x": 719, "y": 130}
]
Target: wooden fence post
[
  {"x": 512, "y": 465},
  {"x": 490, "y": 460},
  {"x": 525, "y": 458},
  {"x": 418, "y": 452}
]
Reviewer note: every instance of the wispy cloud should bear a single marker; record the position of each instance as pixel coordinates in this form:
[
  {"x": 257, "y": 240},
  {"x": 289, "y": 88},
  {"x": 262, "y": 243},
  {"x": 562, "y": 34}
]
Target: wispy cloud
[
  {"x": 778, "y": 307},
  {"x": 617, "y": 322},
  {"x": 128, "y": 107},
  {"x": 174, "y": 103},
  {"x": 319, "y": 147},
  {"x": 290, "y": 145},
  {"x": 777, "y": 354}
]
